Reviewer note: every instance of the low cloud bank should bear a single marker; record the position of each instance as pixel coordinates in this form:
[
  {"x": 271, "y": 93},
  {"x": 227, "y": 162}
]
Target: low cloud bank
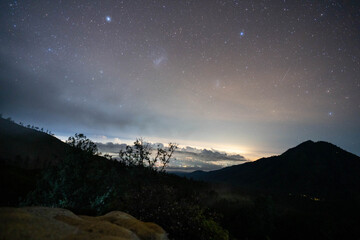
[{"x": 186, "y": 158}]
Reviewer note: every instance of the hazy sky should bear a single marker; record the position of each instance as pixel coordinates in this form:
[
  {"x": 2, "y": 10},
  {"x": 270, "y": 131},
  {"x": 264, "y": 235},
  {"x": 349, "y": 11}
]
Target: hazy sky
[{"x": 249, "y": 77}]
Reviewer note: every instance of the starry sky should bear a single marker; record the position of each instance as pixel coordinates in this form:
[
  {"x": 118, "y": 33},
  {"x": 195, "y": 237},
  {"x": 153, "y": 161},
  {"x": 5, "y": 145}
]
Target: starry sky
[{"x": 251, "y": 78}]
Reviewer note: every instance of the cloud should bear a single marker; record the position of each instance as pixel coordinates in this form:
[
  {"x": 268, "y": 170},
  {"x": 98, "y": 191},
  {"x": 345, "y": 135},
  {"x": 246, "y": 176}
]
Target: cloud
[
  {"x": 186, "y": 158},
  {"x": 111, "y": 148},
  {"x": 114, "y": 148},
  {"x": 189, "y": 159},
  {"x": 210, "y": 155}
]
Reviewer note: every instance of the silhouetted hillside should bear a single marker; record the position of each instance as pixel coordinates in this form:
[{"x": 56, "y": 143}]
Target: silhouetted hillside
[
  {"x": 317, "y": 169},
  {"x": 28, "y": 148}
]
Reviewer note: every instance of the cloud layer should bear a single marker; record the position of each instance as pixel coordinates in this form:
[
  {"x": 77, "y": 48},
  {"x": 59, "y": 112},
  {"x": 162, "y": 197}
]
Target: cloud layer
[{"x": 186, "y": 158}]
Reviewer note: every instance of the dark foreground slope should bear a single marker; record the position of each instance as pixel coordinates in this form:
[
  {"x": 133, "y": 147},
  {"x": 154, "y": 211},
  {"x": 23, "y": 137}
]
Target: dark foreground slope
[
  {"x": 28, "y": 148},
  {"x": 318, "y": 169},
  {"x": 23, "y": 153}
]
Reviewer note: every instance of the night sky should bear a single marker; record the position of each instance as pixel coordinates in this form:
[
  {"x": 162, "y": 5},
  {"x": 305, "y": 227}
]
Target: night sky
[{"x": 247, "y": 77}]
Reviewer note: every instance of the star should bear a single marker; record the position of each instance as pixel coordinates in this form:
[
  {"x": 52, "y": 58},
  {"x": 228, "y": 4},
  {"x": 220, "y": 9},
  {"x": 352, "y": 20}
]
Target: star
[
  {"x": 108, "y": 19},
  {"x": 242, "y": 34}
]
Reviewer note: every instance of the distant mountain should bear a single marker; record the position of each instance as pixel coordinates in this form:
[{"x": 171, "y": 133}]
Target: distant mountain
[
  {"x": 28, "y": 148},
  {"x": 318, "y": 169}
]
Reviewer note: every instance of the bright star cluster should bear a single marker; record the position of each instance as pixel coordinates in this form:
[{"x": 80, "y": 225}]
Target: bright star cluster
[{"x": 257, "y": 75}]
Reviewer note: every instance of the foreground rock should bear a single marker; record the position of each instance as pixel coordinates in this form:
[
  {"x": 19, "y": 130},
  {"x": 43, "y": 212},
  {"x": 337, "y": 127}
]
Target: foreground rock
[{"x": 56, "y": 223}]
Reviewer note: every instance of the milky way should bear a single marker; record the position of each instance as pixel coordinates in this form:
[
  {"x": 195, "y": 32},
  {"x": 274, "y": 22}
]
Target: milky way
[{"x": 252, "y": 77}]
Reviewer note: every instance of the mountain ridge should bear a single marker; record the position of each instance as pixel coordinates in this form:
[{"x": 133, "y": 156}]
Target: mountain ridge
[
  {"x": 314, "y": 168},
  {"x": 28, "y": 148}
]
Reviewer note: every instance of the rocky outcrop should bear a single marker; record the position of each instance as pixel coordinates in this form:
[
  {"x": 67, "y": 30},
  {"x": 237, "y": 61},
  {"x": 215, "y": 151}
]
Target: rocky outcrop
[{"x": 55, "y": 223}]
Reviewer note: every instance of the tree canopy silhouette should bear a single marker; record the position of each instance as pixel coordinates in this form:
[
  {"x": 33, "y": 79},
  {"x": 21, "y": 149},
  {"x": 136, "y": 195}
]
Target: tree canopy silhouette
[
  {"x": 81, "y": 142},
  {"x": 140, "y": 155}
]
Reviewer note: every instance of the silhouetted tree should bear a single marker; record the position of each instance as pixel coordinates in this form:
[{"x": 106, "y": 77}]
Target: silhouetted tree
[
  {"x": 81, "y": 142},
  {"x": 164, "y": 155},
  {"x": 140, "y": 155}
]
